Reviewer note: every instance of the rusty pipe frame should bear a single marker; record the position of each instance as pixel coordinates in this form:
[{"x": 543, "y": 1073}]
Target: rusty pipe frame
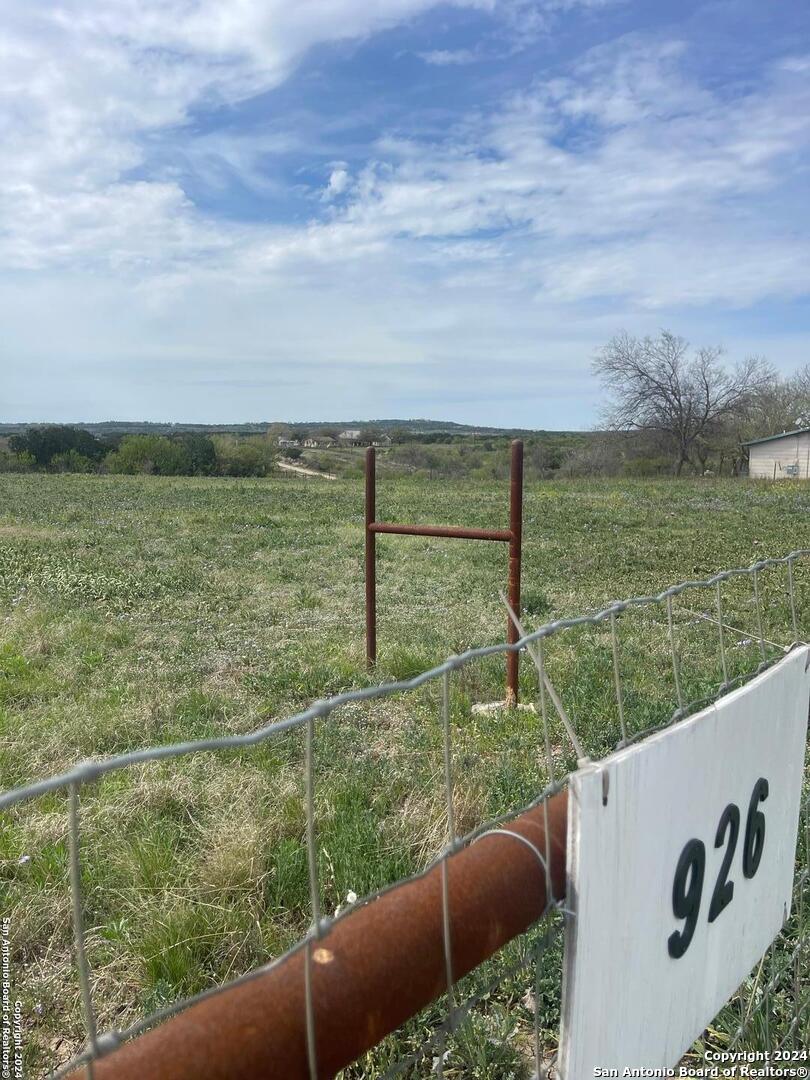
[
  {"x": 371, "y": 971},
  {"x": 512, "y": 536}
]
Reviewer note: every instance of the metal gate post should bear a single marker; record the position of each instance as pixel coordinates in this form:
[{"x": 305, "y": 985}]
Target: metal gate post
[
  {"x": 371, "y": 558},
  {"x": 516, "y": 529}
]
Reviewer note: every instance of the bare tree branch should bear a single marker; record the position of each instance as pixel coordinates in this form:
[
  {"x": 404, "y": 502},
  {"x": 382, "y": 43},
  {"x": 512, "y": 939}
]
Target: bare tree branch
[{"x": 654, "y": 385}]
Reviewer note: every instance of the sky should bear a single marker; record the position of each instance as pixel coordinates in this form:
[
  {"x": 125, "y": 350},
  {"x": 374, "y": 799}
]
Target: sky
[{"x": 358, "y": 209}]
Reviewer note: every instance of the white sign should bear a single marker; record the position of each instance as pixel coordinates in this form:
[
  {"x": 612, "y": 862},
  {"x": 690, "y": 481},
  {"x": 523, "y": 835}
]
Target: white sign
[{"x": 681, "y": 862}]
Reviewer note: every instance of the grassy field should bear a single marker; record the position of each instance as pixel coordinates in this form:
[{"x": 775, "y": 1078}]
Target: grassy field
[{"x": 137, "y": 611}]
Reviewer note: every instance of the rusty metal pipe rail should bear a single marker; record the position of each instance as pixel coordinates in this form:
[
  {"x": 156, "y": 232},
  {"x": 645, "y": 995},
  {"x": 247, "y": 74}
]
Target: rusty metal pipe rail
[
  {"x": 371, "y": 971},
  {"x": 453, "y": 531}
]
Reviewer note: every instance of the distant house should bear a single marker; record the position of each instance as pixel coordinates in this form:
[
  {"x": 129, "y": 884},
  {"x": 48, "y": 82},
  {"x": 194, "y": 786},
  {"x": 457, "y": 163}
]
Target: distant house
[
  {"x": 780, "y": 457},
  {"x": 358, "y": 437},
  {"x": 350, "y": 437},
  {"x": 284, "y": 442}
]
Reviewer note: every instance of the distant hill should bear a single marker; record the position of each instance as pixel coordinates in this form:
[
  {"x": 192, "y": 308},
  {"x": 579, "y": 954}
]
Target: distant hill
[
  {"x": 413, "y": 427},
  {"x": 142, "y": 427}
]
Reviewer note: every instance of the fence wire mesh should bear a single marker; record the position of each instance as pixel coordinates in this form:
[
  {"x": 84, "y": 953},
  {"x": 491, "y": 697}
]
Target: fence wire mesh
[{"x": 597, "y": 682}]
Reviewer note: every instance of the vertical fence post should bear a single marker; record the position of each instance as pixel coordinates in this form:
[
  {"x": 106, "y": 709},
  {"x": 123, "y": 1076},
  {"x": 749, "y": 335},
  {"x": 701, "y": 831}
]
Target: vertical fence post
[
  {"x": 371, "y": 560},
  {"x": 516, "y": 528}
]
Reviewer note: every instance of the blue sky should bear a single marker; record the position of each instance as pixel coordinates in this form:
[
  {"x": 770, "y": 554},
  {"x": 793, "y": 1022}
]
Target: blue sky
[{"x": 348, "y": 209}]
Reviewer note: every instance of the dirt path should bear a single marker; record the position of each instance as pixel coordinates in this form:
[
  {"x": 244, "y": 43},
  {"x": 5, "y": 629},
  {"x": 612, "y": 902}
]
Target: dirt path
[{"x": 304, "y": 471}]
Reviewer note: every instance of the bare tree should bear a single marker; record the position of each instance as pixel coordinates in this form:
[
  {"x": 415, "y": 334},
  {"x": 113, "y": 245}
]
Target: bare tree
[
  {"x": 797, "y": 387},
  {"x": 656, "y": 386},
  {"x": 779, "y": 404}
]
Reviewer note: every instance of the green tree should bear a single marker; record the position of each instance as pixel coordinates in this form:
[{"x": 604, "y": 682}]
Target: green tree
[
  {"x": 150, "y": 454},
  {"x": 46, "y": 442},
  {"x": 201, "y": 452}
]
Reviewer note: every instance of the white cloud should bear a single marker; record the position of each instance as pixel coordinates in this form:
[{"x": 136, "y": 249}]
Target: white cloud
[
  {"x": 626, "y": 177},
  {"x": 448, "y": 57},
  {"x": 84, "y": 88},
  {"x": 624, "y": 148},
  {"x": 626, "y": 183},
  {"x": 338, "y": 182}
]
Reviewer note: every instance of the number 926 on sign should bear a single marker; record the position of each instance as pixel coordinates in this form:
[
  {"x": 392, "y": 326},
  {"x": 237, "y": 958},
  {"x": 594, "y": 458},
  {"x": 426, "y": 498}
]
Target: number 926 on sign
[{"x": 681, "y": 857}]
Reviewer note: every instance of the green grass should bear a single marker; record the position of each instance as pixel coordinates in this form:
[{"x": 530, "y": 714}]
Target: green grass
[{"x": 138, "y": 611}]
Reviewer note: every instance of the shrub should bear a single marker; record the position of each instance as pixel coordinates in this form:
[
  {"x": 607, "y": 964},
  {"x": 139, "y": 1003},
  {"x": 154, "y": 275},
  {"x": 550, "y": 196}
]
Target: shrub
[
  {"x": 321, "y": 462},
  {"x": 10, "y": 462},
  {"x": 599, "y": 457},
  {"x": 648, "y": 466},
  {"x": 150, "y": 454},
  {"x": 72, "y": 461},
  {"x": 252, "y": 456}
]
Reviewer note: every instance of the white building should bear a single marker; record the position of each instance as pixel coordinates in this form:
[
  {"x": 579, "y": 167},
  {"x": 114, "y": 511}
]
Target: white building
[
  {"x": 780, "y": 457},
  {"x": 357, "y": 437}
]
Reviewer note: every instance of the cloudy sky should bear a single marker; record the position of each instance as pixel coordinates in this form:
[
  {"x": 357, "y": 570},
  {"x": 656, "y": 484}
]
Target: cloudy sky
[{"x": 340, "y": 209}]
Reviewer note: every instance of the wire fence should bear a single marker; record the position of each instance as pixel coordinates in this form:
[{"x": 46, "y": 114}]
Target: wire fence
[{"x": 598, "y": 682}]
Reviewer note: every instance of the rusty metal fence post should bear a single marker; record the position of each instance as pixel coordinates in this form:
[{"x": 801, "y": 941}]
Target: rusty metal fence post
[
  {"x": 516, "y": 529},
  {"x": 371, "y": 558},
  {"x": 513, "y": 536}
]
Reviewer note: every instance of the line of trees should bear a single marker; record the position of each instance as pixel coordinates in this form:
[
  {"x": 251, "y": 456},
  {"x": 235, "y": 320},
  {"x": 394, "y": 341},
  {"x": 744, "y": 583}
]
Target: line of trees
[
  {"x": 63, "y": 448},
  {"x": 669, "y": 408},
  {"x": 679, "y": 408}
]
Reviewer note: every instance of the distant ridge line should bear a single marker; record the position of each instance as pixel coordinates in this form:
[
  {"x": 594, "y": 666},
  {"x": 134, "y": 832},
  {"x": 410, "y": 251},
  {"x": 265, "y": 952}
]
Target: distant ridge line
[{"x": 412, "y": 426}]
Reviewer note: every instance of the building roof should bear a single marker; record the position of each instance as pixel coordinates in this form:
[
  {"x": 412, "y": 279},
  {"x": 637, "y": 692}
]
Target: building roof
[{"x": 781, "y": 435}]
